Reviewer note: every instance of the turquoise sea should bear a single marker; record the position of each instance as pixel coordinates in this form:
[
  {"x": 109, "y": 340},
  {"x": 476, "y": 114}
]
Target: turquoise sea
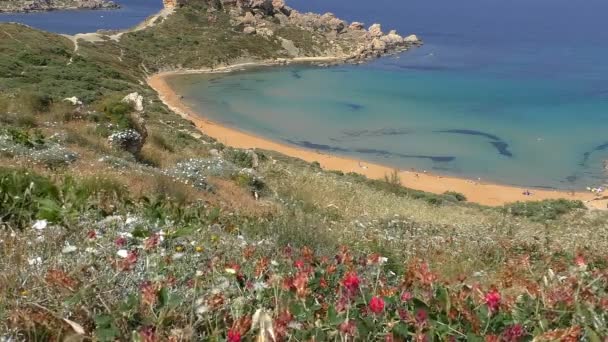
[{"x": 514, "y": 92}]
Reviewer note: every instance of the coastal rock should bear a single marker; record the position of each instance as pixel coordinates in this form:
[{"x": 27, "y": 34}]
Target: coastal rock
[
  {"x": 289, "y": 46},
  {"x": 411, "y": 39},
  {"x": 47, "y": 5},
  {"x": 392, "y": 39},
  {"x": 249, "y": 30},
  {"x": 378, "y": 45},
  {"x": 357, "y": 26},
  {"x": 136, "y": 100},
  {"x": 375, "y": 31}
]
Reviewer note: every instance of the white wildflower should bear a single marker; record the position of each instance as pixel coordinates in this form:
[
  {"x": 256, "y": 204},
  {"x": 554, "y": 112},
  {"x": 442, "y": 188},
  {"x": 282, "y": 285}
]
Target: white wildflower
[
  {"x": 177, "y": 256},
  {"x": 123, "y": 253},
  {"x": 91, "y": 250},
  {"x": 35, "y": 261},
  {"x": 69, "y": 249},
  {"x": 230, "y": 271},
  {"x": 40, "y": 225}
]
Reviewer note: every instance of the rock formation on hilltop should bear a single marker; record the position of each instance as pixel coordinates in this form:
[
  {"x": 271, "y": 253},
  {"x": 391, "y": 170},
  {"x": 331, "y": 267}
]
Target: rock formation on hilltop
[{"x": 50, "y": 5}]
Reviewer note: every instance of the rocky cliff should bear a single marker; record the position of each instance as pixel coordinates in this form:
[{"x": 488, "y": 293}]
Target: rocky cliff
[
  {"x": 344, "y": 39},
  {"x": 49, "y": 5}
]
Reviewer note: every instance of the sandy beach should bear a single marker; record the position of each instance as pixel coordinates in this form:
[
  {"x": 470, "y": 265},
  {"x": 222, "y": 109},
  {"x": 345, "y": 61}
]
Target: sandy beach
[{"x": 475, "y": 191}]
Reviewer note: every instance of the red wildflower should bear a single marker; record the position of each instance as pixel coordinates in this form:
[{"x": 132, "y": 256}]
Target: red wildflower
[
  {"x": 405, "y": 296},
  {"x": 513, "y": 333},
  {"x": 348, "y": 328},
  {"x": 148, "y": 334},
  {"x": 421, "y": 316},
  {"x": 389, "y": 338},
  {"x": 300, "y": 282},
  {"x": 91, "y": 235},
  {"x": 376, "y": 305},
  {"x": 233, "y": 336},
  {"x": 120, "y": 241},
  {"x": 579, "y": 260},
  {"x": 351, "y": 281},
  {"x": 151, "y": 242},
  {"x": 129, "y": 262},
  {"x": 299, "y": 264},
  {"x": 492, "y": 300},
  {"x": 148, "y": 293}
]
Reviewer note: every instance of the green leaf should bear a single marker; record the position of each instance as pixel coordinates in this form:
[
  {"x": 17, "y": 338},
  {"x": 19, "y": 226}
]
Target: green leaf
[
  {"x": 107, "y": 334},
  {"x": 401, "y": 330},
  {"x": 591, "y": 335},
  {"x": 163, "y": 297},
  {"x": 333, "y": 317},
  {"x": 103, "y": 321}
]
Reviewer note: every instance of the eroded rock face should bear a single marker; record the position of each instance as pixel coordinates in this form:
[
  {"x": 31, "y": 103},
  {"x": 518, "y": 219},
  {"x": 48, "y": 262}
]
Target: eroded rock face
[
  {"x": 249, "y": 30},
  {"x": 378, "y": 45},
  {"x": 136, "y": 100},
  {"x": 375, "y": 31},
  {"x": 355, "y": 25},
  {"x": 392, "y": 39},
  {"x": 411, "y": 39}
]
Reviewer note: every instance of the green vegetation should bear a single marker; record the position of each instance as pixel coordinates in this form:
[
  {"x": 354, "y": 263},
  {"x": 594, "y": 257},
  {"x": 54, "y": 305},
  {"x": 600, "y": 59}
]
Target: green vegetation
[{"x": 189, "y": 239}]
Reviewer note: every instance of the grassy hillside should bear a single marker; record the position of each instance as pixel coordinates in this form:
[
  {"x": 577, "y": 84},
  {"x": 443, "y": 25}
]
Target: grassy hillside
[{"x": 187, "y": 239}]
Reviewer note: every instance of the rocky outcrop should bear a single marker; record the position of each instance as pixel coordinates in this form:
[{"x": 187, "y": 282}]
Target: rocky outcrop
[
  {"x": 375, "y": 30},
  {"x": 136, "y": 100},
  {"x": 49, "y": 5}
]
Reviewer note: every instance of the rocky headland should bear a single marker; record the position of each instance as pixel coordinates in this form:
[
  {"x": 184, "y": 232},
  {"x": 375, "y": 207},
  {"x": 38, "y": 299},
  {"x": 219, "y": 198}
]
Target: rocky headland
[{"x": 9, "y": 6}]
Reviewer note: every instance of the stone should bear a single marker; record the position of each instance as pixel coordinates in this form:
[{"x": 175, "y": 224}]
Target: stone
[
  {"x": 73, "y": 100},
  {"x": 411, "y": 39},
  {"x": 248, "y": 19},
  {"x": 356, "y": 26},
  {"x": 378, "y": 45},
  {"x": 266, "y": 32},
  {"x": 249, "y": 30},
  {"x": 375, "y": 31},
  {"x": 392, "y": 39},
  {"x": 136, "y": 100}
]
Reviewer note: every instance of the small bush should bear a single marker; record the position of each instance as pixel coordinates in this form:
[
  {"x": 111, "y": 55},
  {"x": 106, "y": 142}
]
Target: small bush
[
  {"x": 240, "y": 158},
  {"x": 543, "y": 210},
  {"x": 456, "y": 195}
]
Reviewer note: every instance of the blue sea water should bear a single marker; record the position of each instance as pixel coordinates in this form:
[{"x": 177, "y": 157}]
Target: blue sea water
[
  {"x": 131, "y": 13},
  {"x": 514, "y": 92}
]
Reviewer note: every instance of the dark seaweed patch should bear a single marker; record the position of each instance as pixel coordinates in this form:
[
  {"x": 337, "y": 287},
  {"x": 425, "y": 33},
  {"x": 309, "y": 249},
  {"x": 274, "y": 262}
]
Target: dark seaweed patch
[
  {"x": 502, "y": 147},
  {"x": 471, "y": 132},
  {"x": 381, "y": 153},
  {"x": 497, "y": 142},
  {"x": 588, "y": 154},
  {"x": 377, "y": 133},
  {"x": 354, "y": 106},
  {"x": 295, "y": 74}
]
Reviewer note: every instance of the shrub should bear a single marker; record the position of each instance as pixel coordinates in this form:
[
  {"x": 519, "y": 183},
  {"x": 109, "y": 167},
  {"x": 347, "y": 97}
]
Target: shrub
[
  {"x": 240, "y": 158},
  {"x": 456, "y": 195},
  {"x": 543, "y": 210}
]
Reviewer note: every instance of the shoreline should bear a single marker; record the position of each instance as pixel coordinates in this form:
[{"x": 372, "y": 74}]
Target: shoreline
[{"x": 489, "y": 194}]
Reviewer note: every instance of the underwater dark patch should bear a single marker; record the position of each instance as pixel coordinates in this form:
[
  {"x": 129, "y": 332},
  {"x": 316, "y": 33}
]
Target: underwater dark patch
[
  {"x": 502, "y": 147},
  {"x": 471, "y": 132}
]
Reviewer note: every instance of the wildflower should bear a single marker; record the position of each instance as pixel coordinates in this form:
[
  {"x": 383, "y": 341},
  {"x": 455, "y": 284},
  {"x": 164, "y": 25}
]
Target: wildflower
[
  {"x": 40, "y": 225},
  {"x": 300, "y": 282},
  {"x": 405, "y": 296},
  {"x": 120, "y": 241},
  {"x": 177, "y": 256},
  {"x": 579, "y": 260},
  {"x": 233, "y": 336},
  {"x": 147, "y": 334},
  {"x": 123, "y": 253},
  {"x": 199, "y": 249},
  {"x": 151, "y": 242},
  {"x": 230, "y": 270},
  {"x": 148, "y": 293},
  {"x": 91, "y": 250},
  {"x": 351, "y": 282},
  {"x": 179, "y": 248},
  {"x": 34, "y": 261},
  {"x": 513, "y": 333},
  {"x": 348, "y": 328},
  {"x": 492, "y": 300},
  {"x": 69, "y": 249},
  {"x": 421, "y": 316},
  {"x": 92, "y": 235},
  {"x": 24, "y": 293},
  {"x": 299, "y": 264},
  {"x": 376, "y": 305}
]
